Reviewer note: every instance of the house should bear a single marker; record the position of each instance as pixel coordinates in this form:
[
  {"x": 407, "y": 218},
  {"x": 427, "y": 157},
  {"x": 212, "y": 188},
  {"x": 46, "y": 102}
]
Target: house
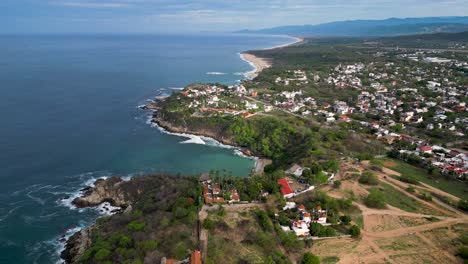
[
  {"x": 300, "y": 228},
  {"x": 301, "y": 208},
  {"x": 345, "y": 118},
  {"x": 289, "y": 205},
  {"x": 234, "y": 196},
  {"x": 320, "y": 215},
  {"x": 250, "y": 106},
  {"x": 425, "y": 149},
  {"x": 286, "y": 190},
  {"x": 306, "y": 217},
  {"x": 295, "y": 170},
  {"x": 204, "y": 178}
]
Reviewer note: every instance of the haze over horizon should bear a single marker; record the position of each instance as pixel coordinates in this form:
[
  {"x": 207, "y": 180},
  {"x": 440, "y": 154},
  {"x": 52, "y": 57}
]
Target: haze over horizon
[{"x": 163, "y": 16}]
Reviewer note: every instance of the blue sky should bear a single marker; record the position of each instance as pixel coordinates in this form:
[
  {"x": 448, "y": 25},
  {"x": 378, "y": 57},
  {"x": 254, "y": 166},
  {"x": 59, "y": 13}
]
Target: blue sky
[{"x": 139, "y": 16}]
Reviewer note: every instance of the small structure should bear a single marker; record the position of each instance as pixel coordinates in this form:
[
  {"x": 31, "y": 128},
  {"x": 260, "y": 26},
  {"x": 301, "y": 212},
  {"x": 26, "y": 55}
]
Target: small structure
[
  {"x": 295, "y": 170},
  {"x": 234, "y": 196},
  {"x": 300, "y": 228},
  {"x": 204, "y": 178},
  {"x": 320, "y": 215},
  {"x": 195, "y": 257},
  {"x": 286, "y": 190}
]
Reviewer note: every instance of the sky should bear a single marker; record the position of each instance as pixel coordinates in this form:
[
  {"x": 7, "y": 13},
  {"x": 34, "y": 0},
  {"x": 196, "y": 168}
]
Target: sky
[{"x": 162, "y": 16}]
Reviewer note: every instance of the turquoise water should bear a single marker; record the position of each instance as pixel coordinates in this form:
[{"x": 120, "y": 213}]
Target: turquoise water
[{"x": 68, "y": 111}]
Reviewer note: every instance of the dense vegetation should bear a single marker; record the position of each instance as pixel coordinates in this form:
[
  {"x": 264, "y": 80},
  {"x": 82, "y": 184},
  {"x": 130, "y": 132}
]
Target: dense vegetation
[{"x": 160, "y": 223}]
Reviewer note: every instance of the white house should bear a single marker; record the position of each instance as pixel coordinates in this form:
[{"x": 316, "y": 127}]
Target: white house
[{"x": 295, "y": 169}]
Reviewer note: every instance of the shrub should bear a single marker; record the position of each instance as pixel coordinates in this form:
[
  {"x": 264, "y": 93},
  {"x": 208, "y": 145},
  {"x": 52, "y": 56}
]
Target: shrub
[
  {"x": 408, "y": 179},
  {"x": 463, "y": 252},
  {"x": 411, "y": 189},
  {"x": 310, "y": 258},
  {"x": 355, "y": 231},
  {"x": 208, "y": 224},
  {"x": 425, "y": 196},
  {"x": 463, "y": 205},
  {"x": 337, "y": 184},
  {"x": 375, "y": 199},
  {"x": 136, "y": 226},
  {"x": 369, "y": 178},
  {"x": 319, "y": 230},
  {"x": 345, "y": 219},
  {"x": 464, "y": 239},
  {"x": 264, "y": 221},
  {"x": 290, "y": 240},
  {"x": 102, "y": 254},
  {"x": 263, "y": 239},
  {"x": 148, "y": 245}
]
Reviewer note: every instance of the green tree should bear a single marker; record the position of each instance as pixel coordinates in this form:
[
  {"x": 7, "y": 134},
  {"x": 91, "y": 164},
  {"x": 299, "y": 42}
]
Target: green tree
[
  {"x": 310, "y": 258},
  {"x": 346, "y": 219},
  {"x": 463, "y": 205},
  {"x": 337, "y": 184},
  {"x": 375, "y": 199},
  {"x": 369, "y": 178},
  {"x": 355, "y": 231}
]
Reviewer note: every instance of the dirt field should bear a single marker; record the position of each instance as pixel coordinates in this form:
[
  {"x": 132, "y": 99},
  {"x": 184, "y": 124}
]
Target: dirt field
[
  {"x": 410, "y": 230},
  {"x": 428, "y": 233}
]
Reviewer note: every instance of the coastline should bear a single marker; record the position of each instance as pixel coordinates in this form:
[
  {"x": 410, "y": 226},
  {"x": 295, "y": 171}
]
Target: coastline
[
  {"x": 259, "y": 64},
  {"x": 76, "y": 243}
]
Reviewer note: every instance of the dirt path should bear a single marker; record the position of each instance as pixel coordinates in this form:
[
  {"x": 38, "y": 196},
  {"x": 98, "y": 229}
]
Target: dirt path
[
  {"x": 434, "y": 247},
  {"x": 203, "y": 214},
  {"x": 424, "y": 185},
  {"x": 414, "y": 229},
  {"x": 368, "y": 250}
]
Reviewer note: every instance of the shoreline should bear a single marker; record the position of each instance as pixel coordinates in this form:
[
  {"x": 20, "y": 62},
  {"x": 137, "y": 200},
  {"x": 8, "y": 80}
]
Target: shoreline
[
  {"x": 167, "y": 128},
  {"x": 82, "y": 235},
  {"x": 259, "y": 64}
]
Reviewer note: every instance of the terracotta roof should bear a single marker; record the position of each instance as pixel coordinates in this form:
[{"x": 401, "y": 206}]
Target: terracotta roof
[
  {"x": 285, "y": 188},
  {"x": 425, "y": 148},
  {"x": 195, "y": 257}
]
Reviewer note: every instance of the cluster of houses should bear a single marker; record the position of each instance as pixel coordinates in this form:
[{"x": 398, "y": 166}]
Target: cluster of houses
[
  {"x": 213, "y": 99},
  {"x": 301, "y": 227},
  {"x": 213, "y": 194},
  {"x": 299, "y": 77},
  {"x": 433, "y": 57},
  {"x": 449, "y": 161}
]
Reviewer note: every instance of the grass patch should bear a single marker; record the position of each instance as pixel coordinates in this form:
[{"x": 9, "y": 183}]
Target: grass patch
[
  {"x": 453, "y": 187},
  {"x": 400, "y": 200},
  {"x": 400, "y": 243},
  {"x": 330, "y": 260}
]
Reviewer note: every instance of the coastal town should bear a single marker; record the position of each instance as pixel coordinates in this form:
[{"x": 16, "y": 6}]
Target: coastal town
[
  {"x": 358, "y": 161},
  {"x": 416, "y": 109}
]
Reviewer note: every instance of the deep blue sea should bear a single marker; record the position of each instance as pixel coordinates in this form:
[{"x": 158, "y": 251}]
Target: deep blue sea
[{"x": 68, "y": 115}]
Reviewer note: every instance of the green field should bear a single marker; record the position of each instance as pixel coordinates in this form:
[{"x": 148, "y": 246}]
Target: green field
[
  {"x": 453, "y": 187},
  {"x": 398, "y": 199}
]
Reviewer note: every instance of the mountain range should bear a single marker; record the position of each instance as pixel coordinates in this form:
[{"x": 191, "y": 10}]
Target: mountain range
[{"x": 386, "y": 27}]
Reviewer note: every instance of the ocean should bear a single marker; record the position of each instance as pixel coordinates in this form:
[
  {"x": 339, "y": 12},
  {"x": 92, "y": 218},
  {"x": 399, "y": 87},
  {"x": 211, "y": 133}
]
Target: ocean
[{"x": 68, "y": 111}]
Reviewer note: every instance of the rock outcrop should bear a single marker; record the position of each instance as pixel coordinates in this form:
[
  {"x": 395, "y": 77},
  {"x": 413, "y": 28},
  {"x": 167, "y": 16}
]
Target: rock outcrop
[
  {"x": 109, "y": 190},
  {"x": 77, "y": 245}
]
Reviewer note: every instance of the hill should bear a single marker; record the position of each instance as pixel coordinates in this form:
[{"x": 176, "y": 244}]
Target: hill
[{"x": 387, "y": 27}]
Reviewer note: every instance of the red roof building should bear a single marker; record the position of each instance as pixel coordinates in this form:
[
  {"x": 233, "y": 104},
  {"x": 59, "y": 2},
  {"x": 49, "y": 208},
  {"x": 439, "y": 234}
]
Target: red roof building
[
  {"x": 286, "y": 190},
  {"x": 425, "y": 149},
  {"x": 195, "y": 257}
]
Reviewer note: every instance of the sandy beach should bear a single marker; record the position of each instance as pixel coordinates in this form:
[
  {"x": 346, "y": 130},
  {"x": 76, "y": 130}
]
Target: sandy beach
[{"x": 259, "y": 64}]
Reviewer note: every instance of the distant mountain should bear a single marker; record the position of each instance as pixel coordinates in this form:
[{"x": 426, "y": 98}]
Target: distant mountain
[{"x": 387, "y": 27}]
